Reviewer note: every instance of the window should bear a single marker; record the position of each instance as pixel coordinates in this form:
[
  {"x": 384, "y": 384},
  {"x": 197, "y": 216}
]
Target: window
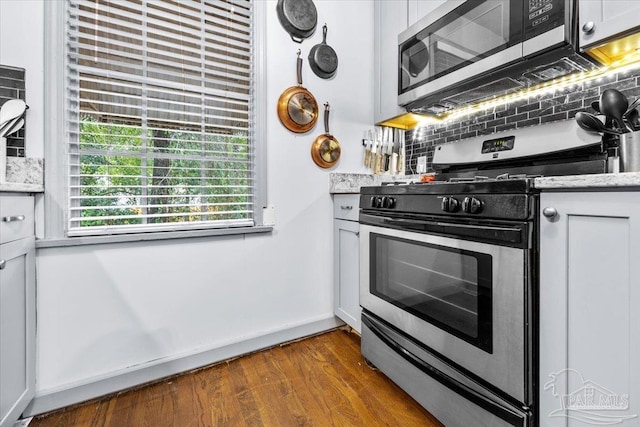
[{"x": 159, "y": 119}]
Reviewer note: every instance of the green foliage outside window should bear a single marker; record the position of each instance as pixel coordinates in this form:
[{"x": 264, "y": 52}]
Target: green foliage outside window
[{"x": 134, "y": 176}]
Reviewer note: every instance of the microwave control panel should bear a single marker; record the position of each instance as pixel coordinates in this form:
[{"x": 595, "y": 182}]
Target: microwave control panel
[{"x": 542, "y": 16}]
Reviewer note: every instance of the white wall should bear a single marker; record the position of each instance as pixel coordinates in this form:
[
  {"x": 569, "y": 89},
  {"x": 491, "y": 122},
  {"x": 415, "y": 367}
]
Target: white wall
[{"x": 103, "y": 309}]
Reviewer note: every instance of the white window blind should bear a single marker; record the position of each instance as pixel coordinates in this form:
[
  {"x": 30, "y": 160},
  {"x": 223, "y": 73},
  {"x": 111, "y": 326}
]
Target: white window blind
[{"x": 159, "y": 116}]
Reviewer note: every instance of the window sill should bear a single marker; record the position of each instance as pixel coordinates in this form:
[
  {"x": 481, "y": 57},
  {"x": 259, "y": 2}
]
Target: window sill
[{"x": 143, "y": 237}]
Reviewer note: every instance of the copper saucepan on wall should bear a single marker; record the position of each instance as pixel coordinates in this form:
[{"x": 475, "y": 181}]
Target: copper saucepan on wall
[
  {"x": 297, "y": 108},
  {"x": 325, "y": 150}
]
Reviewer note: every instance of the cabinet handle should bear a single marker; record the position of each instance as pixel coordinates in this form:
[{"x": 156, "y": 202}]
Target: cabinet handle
[
  {"x": 588, "y": 27},
  {"x": 549, "y": 212},
  {"x": 13, "y": 218},
  {"x": 3, "y": 263},
  {"x": 346, "y": 208}
]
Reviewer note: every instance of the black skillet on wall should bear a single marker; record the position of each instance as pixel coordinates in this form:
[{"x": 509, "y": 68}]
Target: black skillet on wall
[
  {"x": 323, "y": 59},
  {"x": 298, "y": 17}
]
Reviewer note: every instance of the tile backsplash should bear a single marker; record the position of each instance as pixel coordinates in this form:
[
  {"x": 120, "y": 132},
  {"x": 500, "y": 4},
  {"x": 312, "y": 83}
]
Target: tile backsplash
[
  {"x": 12, "y": 86},
  {"x": 561, "y": 104}
]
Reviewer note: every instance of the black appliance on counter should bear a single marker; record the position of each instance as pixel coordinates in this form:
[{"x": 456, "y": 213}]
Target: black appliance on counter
[{"x": 448, "y": 273}]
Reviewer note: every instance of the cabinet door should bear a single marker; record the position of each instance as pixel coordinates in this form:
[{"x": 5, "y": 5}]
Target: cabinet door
[
  {"x": 608, "y": 17},
  {"x": 346, "y": 271},
  {"x": 589, "y": 316},
  {"x": 17, "y": 328},
  {"x": 390, "y": 18},
  {"x": 418, "y": 9}
]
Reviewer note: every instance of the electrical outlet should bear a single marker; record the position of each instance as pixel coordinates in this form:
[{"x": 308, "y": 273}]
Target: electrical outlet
[
  {"x": 422, "y": 164},
  {"x": 269, "y": 215}
]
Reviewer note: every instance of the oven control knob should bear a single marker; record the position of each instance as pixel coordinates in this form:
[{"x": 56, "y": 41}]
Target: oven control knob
[
  {"x": 449, "y": 204},
  {"x": 377, "y": 201},
  {"x": 471, "y": 205},
  {"x": 389, "y": 202}
]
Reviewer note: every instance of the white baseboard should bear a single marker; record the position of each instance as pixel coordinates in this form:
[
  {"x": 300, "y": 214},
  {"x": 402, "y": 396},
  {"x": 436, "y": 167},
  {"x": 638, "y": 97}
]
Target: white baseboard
[{"x": 47, "y": 401}]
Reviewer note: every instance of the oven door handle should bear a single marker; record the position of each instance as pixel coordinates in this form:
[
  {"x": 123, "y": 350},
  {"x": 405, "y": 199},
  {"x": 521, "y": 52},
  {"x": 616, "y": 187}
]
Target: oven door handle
[
  {"x": 500, "y": 234},
  {"x": 408, "y": 223}
]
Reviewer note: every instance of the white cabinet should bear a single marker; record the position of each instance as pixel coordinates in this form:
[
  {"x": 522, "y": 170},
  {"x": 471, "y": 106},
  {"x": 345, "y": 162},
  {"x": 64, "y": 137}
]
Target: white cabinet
[
  {"x": 602, "y": 19},
  {"x": 589, "y": 309},
  {"x": 391, "y": 17},
  {"x": 346, "y": 259},
  {"x": 17, "y": 306},
  {"x": 417, "y": 9}
]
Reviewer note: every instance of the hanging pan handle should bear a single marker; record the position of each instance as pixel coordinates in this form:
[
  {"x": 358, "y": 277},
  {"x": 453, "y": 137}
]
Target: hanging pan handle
[
  {"x": 299, "y": 68},
  {"x": 326, "y": 118}
]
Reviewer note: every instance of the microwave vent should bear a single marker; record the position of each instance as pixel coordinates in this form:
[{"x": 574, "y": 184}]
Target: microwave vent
[
  {"x": 561, "y": 68},
  {"x": 499, "y": 87}
]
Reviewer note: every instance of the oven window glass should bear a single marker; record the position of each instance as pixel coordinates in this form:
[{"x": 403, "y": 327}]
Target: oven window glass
[
  {"x": 470, "y": 33},
  {"x": 447, "y": 287}
]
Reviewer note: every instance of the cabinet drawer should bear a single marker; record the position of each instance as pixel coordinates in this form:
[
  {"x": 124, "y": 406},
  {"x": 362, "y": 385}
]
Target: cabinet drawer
[
  {"x": 345, "y": 206},
  {"x": 16, "y": 217}
]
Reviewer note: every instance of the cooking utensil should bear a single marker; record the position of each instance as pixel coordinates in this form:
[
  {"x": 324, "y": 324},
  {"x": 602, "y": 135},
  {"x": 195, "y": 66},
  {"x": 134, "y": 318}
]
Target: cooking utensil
[
  {"x": 325, "y": 150},
  {"x": 9, "y": 124},
  {"x": 14, "y": 126},
  {"x": 633, "y": 119},
  {"x": 633, "y": 105},
  {"x": 614, "y": 104},
  {"x": 323, "y": 59},
  {"x": 297, "y": 107},
  {"x": 11, "y": 109},
  {"x": 299, "y": 18},
  {"x": 591, "y": 123},
  {"x": 608, "y": 123}
]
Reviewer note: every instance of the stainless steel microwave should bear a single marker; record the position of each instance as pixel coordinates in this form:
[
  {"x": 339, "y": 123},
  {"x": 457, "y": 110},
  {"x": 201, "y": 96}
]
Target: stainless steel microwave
[{"x": 465, "y": 51}]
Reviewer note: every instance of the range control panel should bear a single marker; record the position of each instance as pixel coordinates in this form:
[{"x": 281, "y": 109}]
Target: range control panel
[{"x": 496, "y": 206}]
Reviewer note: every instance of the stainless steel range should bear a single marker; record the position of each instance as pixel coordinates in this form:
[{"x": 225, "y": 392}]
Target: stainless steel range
[{"x": 448, "y": 273}]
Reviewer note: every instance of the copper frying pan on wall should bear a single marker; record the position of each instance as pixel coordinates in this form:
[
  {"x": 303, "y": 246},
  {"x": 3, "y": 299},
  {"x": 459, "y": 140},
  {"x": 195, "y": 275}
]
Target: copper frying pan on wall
[
  {"x": 325, "y": 150},
  {"x": 297, "y": 108}
]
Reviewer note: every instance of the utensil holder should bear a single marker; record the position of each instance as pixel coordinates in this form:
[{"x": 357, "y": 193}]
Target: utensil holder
[{"x": 630, "y": 152}]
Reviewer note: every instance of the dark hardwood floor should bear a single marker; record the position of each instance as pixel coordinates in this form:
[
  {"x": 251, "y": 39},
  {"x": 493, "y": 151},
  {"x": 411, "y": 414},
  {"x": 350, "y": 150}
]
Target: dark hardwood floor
[{"x": 318, "y": 381}]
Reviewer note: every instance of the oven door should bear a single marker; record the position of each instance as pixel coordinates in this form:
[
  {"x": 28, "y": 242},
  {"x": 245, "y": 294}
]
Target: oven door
[{"x": 464, "y": 299}]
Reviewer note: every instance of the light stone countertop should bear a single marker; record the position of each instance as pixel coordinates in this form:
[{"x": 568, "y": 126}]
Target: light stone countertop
[
  {"x": 586, "y": 182},
  {"x": 350, "y": 183},
  {"x": 24, "y": 175}
]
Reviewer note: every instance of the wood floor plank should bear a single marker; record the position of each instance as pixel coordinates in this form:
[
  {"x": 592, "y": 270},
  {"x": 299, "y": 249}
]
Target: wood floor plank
[
  {"x": 319, "y": 381},
  {"x": 387, "y": 397}
]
